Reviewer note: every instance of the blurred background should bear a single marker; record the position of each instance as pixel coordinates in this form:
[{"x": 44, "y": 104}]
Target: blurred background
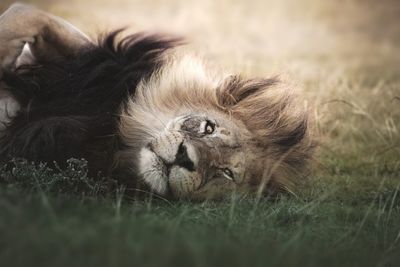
[{"x": 343, "y": 55}]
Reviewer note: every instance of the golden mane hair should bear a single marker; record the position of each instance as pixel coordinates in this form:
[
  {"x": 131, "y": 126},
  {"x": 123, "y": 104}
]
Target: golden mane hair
[
  {"x": 278, "y": 122},
  {"x": 275, "y": 122}
]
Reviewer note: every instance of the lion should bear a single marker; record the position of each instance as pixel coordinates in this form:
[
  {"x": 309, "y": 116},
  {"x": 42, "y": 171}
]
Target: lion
[{"x": 137, "y": 109}]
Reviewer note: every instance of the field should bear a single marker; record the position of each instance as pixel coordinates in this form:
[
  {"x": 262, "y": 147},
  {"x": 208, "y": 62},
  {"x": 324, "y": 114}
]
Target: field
[{"x": 344, "y": 56}]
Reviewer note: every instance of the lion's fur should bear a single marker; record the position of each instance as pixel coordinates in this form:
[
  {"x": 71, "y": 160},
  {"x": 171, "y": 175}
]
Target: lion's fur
[
  {"x": 271, "y": 115},
  {"x": 69, "y": 106},
  {"x": 279, "y": 123}
]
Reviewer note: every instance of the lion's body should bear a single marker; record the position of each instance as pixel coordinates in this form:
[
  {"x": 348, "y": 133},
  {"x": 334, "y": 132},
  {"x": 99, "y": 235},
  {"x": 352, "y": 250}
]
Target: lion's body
[
  {"x": 164, "y": 121},
  {"x": 70, "y": 108}
]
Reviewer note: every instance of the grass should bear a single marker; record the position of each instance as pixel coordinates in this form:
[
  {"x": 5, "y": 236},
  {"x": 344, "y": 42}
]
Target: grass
[
  {"x": 345, "y": 58},
  {"x": 342, "y": 220}
]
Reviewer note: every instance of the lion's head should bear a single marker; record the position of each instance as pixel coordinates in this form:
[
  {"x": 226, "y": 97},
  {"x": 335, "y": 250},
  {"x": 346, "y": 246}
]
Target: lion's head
[{"x": 194, "y": 135}]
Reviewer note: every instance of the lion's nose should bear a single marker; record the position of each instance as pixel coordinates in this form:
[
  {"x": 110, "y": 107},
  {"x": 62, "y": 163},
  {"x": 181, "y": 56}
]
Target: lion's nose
[{"x": 182, "y": 159}]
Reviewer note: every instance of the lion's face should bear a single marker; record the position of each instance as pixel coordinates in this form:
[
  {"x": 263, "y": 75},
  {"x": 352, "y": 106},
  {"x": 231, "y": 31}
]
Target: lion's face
[
  {"x": 196, "y": 156},
  {"x": 191, "y": 135}
]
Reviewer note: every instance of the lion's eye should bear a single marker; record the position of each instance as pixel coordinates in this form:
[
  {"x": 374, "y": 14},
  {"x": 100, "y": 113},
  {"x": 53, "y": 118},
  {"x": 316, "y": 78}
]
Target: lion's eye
[
  {"x": 228, "y": 174},
  {"x": 209, "y": 127}
]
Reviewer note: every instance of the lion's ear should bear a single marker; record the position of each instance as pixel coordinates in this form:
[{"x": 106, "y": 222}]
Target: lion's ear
[
  {"x": 269, "y": 108},
  {"x": 235, "y": 89}
]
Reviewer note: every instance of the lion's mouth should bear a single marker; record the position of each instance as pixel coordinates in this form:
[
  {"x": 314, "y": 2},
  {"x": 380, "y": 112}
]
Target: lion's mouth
[{"x": 179, "y": 177}]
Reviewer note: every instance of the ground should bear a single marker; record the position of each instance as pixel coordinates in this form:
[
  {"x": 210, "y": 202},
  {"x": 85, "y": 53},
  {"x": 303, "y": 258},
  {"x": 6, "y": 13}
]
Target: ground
[{"x": 344, "y": 56}]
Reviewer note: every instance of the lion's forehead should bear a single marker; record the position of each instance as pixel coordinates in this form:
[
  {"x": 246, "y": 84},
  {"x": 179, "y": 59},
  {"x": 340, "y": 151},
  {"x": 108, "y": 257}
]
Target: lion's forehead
[{"x": 224, "y": 147}]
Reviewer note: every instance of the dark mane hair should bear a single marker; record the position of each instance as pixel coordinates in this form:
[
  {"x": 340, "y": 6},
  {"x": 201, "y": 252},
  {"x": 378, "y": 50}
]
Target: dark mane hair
[{"x": 70, "y": 108}]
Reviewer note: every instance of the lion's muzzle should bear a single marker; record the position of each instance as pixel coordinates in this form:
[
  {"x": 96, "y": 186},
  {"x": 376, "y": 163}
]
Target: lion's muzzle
[{"x": 169, "y": 163}]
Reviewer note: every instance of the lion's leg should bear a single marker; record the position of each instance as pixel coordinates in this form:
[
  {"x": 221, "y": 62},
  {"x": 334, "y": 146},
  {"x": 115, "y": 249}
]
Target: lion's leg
[{"x": 48, "y": 37}]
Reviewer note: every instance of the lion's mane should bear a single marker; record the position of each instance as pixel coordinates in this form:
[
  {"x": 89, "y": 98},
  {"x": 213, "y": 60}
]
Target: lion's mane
[{"x": 81, "y": 107}]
